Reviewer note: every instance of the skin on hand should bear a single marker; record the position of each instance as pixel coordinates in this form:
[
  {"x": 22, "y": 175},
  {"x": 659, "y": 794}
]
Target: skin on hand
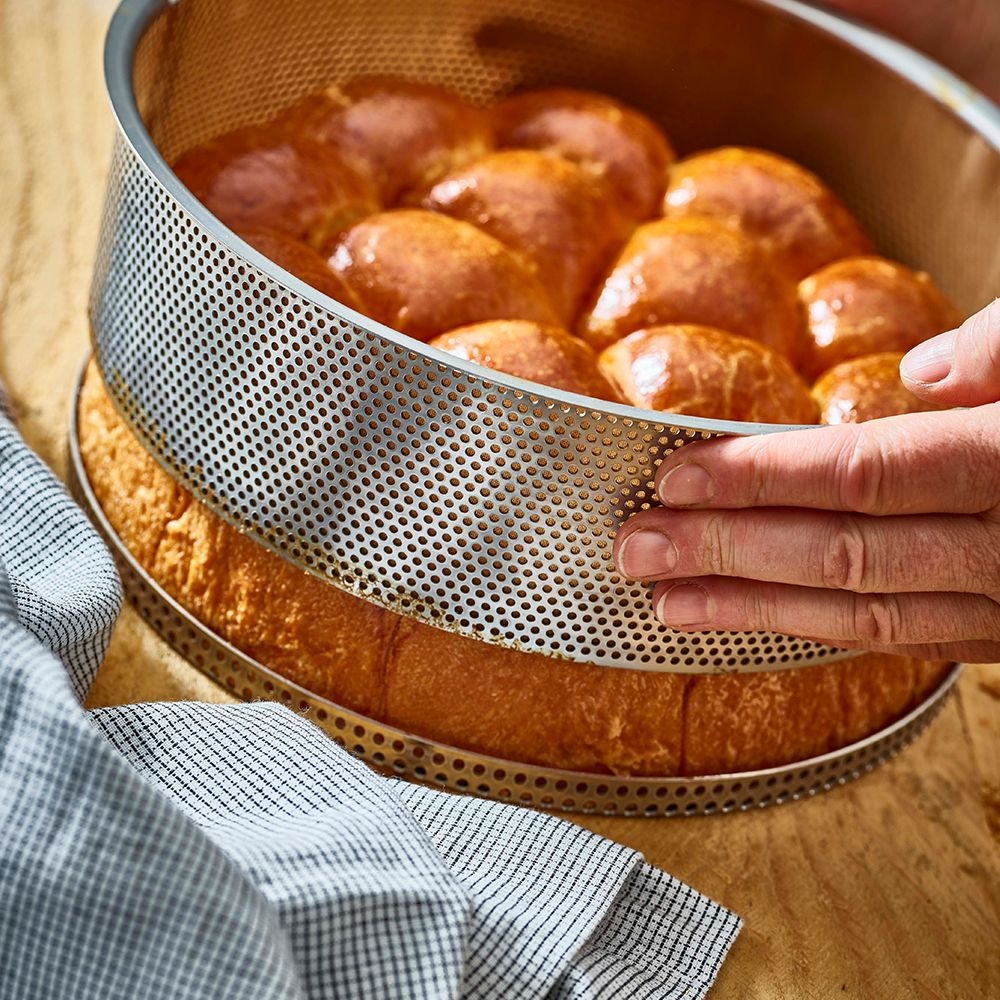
[{"x": 883, "y": 535}]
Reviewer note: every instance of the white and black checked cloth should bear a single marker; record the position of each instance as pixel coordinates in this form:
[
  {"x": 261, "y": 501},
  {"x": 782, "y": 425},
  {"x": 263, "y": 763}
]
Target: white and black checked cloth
[{"x": 201, "y": 851}]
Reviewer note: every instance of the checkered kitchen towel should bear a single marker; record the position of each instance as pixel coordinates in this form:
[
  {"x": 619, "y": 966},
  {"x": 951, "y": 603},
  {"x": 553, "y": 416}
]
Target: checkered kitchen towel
[{"x": 184, "y": 850}]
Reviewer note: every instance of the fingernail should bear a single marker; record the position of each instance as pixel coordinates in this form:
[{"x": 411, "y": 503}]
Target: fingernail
[
  {"x": 687, "y": 485},
  {"x": 930, "y": 361},
  {"x": 685, "y": 604},
  {"x": 646, "y": 555}
]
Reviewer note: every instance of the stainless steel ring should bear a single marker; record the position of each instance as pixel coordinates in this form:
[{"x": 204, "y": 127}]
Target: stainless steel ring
[
  {"x": 415, "y": 758},
  {"x": 472, "y": 501}
]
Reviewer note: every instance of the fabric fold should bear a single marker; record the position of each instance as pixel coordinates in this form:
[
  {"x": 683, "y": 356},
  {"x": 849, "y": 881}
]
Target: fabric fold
[
  {"x": 603, "y": 922},
  {"x": 61, "y": 574},
  {"x": 106, "y": 889},
  {"x": 660, "y": 939},
  {"x": 540, "y": 887},
  {"x": 370, "y": 906},
  {"x": 198, "y": 851}
]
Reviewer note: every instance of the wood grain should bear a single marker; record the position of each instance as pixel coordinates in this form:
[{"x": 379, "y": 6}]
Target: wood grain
[{"x": 889, "y": 887}]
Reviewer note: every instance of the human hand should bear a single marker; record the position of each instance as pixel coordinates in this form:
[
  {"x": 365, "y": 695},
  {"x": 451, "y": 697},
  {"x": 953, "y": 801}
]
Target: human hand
[{"x": 882, "y": 535}]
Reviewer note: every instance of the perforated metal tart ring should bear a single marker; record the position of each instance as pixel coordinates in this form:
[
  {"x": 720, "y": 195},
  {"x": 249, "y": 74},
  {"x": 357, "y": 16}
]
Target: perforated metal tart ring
[
  {"x": 407, "y": 755},
  {"x": 443, "y": 491}
]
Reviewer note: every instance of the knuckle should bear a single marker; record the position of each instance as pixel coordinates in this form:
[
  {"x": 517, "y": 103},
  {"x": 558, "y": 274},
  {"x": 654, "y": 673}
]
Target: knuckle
[
  {"x": 977, "y": 570},
  {"x": 764, "y": 474},
  {"x": 847, "y": 558},
  {"x": 982, "y": 562},
  {"x": 862, "y": 473},
  {"x": 720, "y": 554},
  {"x": 877, "y": 619},
  {"x": 763, "y": 609}
]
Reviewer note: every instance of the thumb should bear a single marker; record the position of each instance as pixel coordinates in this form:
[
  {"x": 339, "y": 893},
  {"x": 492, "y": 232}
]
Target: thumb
[{"x": 960, "y": 367}]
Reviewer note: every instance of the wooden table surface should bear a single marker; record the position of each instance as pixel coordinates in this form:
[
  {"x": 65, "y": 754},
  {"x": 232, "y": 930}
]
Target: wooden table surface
[{"x": 889, "y": 887}]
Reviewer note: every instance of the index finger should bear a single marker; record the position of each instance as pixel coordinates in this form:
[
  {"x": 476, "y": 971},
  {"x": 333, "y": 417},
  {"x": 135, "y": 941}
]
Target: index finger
[{"x": 946, "y": 462}]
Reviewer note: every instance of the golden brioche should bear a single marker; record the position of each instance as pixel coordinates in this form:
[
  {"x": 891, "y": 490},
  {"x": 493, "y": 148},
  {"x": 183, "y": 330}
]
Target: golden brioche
[
  {"x": 866, "y": 388},
  {"x": 545, "y": 354},
  {"x": 302, "y": 261},
  {"x": 618, "y": 145},
  {"x": 458, "y": 691},
  {"x": 404, "y": 134},
  {"x": 512, "y": 245},
  {"x": 699, "y": 271},
  {"x": 261, "y": 178},
  {"x": 787, "y": 208},
  {"x": 706, "y": 373},
  {"x": 548, "y": 211},
  {"x": 747, "y": 717},
  {"x": 868, "y": 305},
  {"x": 424, "y": 274}
]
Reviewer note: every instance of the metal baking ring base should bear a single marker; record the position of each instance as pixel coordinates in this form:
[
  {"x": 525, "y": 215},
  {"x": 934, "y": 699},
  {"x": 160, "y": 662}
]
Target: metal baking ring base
[{"x": 411, "y": 757}]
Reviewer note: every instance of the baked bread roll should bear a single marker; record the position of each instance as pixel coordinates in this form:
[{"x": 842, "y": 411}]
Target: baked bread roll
[
  {"x": 302, "y": 261},
  {"x": 312, "y": 175},
  {"x": 794, "y": 215},
  {"x": 869, "y": 305},
  {"x": 548, "y": 211},
  {"x": 697, "y": 271},
  {"x": 405, "y": 134},
  {"x": 617, "y": 144},
  {"x": 260, "y": 178},
  {"x": 706, "y": 373},
  {"x": 424, "y": 274},
  {"x": 462, "y": 692},
  {"x": 545, "y": 354},
  {"x": 866, "y": 388}
]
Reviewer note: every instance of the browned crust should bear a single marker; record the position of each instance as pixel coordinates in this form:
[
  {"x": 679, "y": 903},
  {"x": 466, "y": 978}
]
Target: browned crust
[
  {"x": 869, "y": 305},
  {"x": 260, "y": 178},
  {"x": 789, "y": 209},
  {"x": 544, "y": 354},
  {"x": 705, "y": 372},
  {"x": 424, "y": 274},
  {"x": 866, "y": 388},
  {"x": 618, "y": 145},
  {"x": 700, "y": 271},
  {"x": 548, "y": 211},
  {"x": 404, "y": 134}
]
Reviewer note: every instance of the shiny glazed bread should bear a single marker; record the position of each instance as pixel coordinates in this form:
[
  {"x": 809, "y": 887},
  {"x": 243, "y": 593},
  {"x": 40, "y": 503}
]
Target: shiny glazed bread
[
  {"x": 695, "y": 270},
  {"x": 793, "y": 214},
  {"x": 454, "y": 690},
  {"x": 543, "y": 229},
  {"x": 530, "y": 351},
  {"x": 869, "y": 305},
  {"x": 403, "y": 134},
  {"x": 865, "y": 388},
  {"x": 424, "y": 274},
  {"x": 618, "y": 145},
  {"x": 301, "y": 260},
  {"x": 517, "y": 241},
  {"x": 259, "y": 178},
  {"x": 705, "y": 372},
  {"x": 548, "y": 211}
]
